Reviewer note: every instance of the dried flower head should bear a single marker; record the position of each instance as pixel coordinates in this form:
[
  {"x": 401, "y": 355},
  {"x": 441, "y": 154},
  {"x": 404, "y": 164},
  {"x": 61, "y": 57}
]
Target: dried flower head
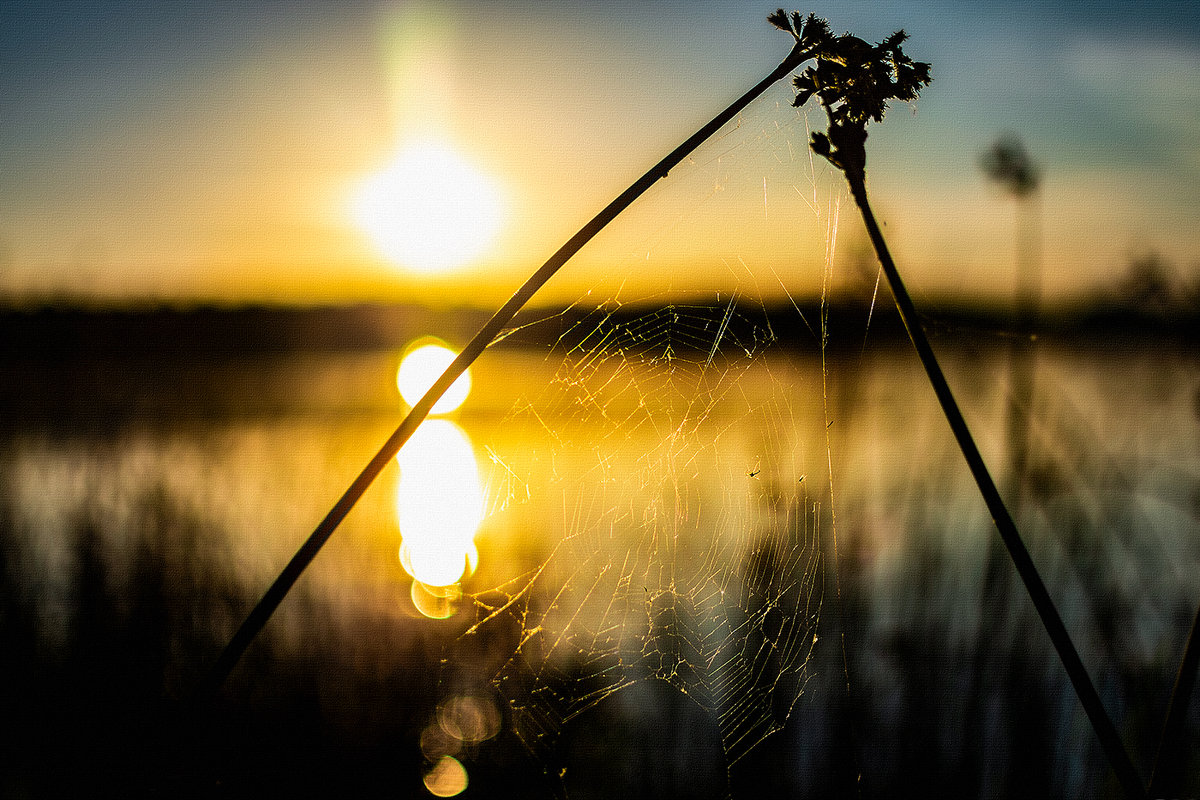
[{"x": 853, "y": 81}]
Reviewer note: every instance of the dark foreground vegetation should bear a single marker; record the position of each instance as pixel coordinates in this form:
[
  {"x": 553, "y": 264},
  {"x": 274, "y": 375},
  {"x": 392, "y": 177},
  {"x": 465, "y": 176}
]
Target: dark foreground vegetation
[{"x": 96, "y": 699}]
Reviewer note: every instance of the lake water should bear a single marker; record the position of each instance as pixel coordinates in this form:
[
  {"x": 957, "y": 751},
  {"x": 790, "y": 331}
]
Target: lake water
[{"x": 697, "y": 570}]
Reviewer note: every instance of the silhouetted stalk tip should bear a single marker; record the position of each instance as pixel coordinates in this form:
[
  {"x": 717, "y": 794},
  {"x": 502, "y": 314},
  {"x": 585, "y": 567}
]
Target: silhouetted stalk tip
[{"x": 854, "y": 81}]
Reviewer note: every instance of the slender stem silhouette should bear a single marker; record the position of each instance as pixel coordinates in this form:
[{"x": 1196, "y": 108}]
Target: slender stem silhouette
[
  {"x": 854, "y": 81},
  {"x": 1110, "y": 740},
  {"x": 266, "y": 606}
]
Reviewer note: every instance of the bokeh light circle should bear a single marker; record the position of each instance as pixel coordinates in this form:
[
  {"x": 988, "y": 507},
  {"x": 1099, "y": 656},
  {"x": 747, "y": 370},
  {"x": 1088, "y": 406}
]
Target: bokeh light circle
[{"x": 421, "y": 366}]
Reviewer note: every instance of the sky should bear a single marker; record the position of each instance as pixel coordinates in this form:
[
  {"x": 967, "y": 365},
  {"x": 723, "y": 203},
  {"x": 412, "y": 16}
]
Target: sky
[{"x": 214, "y": 152}]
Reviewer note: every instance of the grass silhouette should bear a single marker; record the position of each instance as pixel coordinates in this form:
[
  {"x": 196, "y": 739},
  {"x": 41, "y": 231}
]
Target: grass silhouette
[{"x": 854, "y": 81}]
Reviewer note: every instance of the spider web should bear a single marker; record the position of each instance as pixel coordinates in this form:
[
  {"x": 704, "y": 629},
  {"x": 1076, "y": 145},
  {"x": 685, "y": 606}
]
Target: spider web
[
  {"x": 678, "y": 559},
  {"x": 671, "y": 458}
]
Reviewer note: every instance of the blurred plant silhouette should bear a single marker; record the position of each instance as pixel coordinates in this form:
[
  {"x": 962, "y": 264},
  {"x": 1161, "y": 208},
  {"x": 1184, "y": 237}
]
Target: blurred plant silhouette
[{"x": 1009, "y": 164}]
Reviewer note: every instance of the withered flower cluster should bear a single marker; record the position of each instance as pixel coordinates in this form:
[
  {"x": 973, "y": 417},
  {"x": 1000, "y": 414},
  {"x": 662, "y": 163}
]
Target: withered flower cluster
[{"x": 853, "y": 81}]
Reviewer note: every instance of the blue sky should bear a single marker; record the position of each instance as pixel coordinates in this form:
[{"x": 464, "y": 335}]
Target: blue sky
[{"x": 194, "y": 151}]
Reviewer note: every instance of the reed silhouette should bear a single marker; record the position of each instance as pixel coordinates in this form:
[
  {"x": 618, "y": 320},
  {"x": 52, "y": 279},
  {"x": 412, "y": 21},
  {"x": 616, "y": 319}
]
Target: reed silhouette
[{"x": 854, "y": 81}]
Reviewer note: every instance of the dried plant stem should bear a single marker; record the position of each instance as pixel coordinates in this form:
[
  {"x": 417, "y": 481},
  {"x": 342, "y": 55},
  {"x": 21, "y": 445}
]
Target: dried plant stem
[
  {"x": 1110, "y": 740},
  {"x": 262, "y": 612}
]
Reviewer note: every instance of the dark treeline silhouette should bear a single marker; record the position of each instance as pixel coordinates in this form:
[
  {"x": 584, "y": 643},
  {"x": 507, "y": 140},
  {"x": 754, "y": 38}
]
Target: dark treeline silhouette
[{"x": 1150, "y": 296}]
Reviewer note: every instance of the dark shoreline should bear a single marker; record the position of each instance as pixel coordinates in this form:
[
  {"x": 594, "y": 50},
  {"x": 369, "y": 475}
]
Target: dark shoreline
[{"x": 67, "y": 334}]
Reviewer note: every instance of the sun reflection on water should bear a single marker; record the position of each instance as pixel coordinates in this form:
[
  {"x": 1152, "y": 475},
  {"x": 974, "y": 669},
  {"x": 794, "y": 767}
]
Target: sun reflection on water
[
  {"x": 424, "y": 362},
  {"x": 461, "y": 721},
  {"x": 447, "y": 778},
  {"x": 439, "y": 503},
  {"x": 435, "y": 602},
  {"x": 439, "y": 496}
]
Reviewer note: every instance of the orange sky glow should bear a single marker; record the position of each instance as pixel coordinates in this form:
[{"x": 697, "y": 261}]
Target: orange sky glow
[{"x": 232, "y": 177}]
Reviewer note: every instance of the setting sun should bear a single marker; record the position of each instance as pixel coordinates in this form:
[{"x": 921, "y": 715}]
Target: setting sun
[{"x": 430, "y": 210}]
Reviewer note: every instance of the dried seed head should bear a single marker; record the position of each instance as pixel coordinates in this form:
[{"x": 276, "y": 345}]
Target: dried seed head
[{"x": 853, "y": 80}]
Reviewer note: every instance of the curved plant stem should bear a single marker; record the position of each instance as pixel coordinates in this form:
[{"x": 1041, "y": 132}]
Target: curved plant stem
[
  {"x": 262, "y": 612},
  {"x": 1110, "y": 740}
]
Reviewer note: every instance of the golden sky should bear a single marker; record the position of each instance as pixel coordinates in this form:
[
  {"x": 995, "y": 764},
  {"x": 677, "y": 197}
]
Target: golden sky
[{"x": 152, "y": 155}]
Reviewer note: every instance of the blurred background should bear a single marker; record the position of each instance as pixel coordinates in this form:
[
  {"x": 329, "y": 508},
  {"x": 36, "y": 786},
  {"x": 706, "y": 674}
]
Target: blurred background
[{"x": 696, "y": 526}]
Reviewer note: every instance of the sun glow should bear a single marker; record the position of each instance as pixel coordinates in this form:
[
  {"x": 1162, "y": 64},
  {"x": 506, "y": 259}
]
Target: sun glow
[{"x": 430, "y": 210}]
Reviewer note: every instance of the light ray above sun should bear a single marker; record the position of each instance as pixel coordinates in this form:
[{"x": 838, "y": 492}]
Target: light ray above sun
[{"x": 430, "y": 210}]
